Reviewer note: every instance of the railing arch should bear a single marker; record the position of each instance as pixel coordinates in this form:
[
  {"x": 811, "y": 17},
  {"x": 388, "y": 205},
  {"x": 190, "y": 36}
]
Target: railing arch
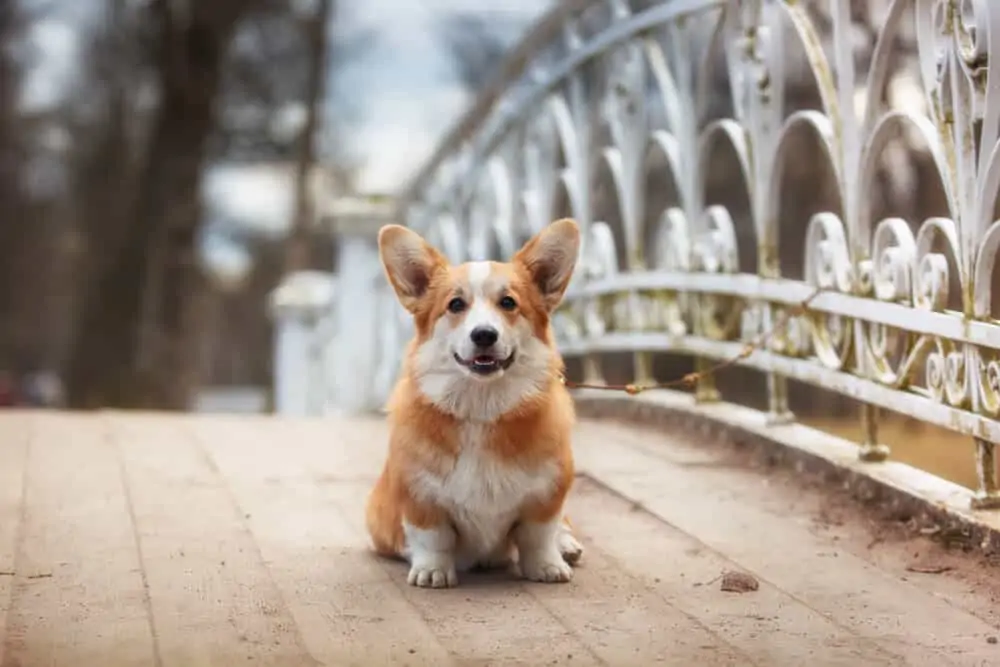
[
  {"x": 598, "y": 87},
  {"x": 603, "y": 85}
]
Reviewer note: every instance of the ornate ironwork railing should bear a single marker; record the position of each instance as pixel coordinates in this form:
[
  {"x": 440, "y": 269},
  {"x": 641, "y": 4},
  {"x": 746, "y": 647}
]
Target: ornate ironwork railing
[{"x": 609, "y": 111}]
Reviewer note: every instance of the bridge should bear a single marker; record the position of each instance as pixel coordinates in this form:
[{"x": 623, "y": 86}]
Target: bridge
[{"x": 784, "y": 205}]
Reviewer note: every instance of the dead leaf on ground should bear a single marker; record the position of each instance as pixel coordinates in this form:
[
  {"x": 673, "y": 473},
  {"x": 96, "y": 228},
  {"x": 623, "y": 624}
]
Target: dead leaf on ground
[{"x": 739, "y": 582}]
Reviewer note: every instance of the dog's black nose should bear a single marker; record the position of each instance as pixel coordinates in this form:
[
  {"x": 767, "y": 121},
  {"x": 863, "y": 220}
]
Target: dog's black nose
[{"x": 484, "y": 336}]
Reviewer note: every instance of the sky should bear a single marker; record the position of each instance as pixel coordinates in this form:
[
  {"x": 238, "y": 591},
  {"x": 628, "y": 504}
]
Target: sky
[
  {"x": 409, "y": 95},
  {"x": 403, "y": 91}
]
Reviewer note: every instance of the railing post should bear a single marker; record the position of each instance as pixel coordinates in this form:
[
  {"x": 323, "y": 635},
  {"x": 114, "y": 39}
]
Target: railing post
[
  {"x": 988, "y": 496},
  {"x": 705, "y": 390},
  {"x": 871, "y": 450},
  {"x": 297, "y": 306},
  {"x": 352, "y": 363}
]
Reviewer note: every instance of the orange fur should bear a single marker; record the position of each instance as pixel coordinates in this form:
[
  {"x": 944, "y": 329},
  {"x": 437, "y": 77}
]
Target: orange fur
[{"x": 471, "y": 461}]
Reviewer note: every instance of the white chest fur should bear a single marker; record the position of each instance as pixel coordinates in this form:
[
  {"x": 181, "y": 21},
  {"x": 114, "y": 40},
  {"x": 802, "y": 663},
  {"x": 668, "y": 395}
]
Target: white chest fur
[{"x": 483, "y": 493}]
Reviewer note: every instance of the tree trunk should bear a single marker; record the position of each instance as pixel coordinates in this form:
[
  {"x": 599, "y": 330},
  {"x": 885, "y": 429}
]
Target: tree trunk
[
  {"x": 137, "y": 345},
  {"x": 297, "y": 247},
  {"x": 11, "y": 201},
  {"x": 174, "y": 295},
  {"x": 103, "y": 188}
]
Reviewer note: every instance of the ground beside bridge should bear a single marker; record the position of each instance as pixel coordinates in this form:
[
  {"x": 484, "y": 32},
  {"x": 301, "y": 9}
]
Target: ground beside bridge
[{"x": 189, "y": 541}]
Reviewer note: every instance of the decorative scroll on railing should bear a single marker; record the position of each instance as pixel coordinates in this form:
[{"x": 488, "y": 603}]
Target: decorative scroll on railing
[{"x": 601, "y": 89}]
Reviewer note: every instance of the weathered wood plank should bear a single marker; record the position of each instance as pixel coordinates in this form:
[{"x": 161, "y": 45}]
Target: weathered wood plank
[
  {"x": 346, "y": 607},
  {"x": 687, "y": 574},
  {"x": 603, "y": 617},
  {"x": 78, "y": 592},
  {"x": 213, "y": 600},
  {"x": 14, "y": 433},
  {"x": 623, "y": 620},
  {"x": 732, "y": 512},
  {"x": 250, "y": 534}
]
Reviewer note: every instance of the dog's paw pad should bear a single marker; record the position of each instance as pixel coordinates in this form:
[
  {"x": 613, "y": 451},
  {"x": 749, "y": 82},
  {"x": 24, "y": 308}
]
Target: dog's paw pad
[
  {"x": 432, "y": 577},
  {"x": 553, "y": 571}
]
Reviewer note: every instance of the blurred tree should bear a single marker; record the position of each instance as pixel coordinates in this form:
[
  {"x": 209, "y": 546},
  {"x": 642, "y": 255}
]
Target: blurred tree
[
  {"x": 172, "y": 289},
  {"x": 136, "y": 339},
  {"x": 278, "y": 73},
  {"x": 31, "y": 233},
  {"x": 316, "y": 29},
  {"x": 12, "y": 205},
  {"x": 477, "y": 42},
  {"x": 10, "y": 27},
  {"x": 105, "y": 162},
  {"x": 168, "y": 96}
]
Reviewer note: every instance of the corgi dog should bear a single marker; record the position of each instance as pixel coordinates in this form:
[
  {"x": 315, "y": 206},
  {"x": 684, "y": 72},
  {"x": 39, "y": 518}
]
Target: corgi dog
[{"x": 479, "y": 462}]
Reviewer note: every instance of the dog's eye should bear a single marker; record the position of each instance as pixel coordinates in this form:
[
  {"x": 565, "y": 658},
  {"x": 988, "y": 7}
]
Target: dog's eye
[
  {"x": 508, "y": 303},
  {"x": 456, "y": 305}
]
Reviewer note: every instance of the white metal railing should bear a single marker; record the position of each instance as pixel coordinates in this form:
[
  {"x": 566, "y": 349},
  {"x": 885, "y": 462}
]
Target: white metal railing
[{"x": 599, "y": 88}]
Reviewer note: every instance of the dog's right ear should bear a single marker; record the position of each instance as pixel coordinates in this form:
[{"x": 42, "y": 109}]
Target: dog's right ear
[{"x": 410, "y": 263}]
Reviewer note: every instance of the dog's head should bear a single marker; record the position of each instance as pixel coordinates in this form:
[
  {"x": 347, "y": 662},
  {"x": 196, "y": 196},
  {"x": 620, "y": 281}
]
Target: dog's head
[{"x": 483, "y": 342}]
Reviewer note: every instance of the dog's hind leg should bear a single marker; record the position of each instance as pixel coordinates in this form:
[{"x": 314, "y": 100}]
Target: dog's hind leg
[
  {"x": 383, "y": 518},
  {"x": 569, "y": 546}
]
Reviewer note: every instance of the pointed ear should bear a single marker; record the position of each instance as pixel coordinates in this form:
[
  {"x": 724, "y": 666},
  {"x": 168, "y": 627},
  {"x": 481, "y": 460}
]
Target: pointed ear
[
  {"x": 550, "y": 258},
  {"x": 410, "y": 263}
]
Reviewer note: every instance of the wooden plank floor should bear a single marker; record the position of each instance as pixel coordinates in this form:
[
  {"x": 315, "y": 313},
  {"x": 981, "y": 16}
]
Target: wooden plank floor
[{"x": 191, "y": 541}]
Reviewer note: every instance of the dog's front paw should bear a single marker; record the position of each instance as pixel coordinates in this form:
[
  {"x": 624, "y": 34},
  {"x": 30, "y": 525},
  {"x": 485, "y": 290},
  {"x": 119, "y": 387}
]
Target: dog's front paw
[
  {"x": 433, "y": 570},
  {"x": 433, "y": 576},
  {"x": 548, "y": 568},
  {"x": 432, "y": 556}
]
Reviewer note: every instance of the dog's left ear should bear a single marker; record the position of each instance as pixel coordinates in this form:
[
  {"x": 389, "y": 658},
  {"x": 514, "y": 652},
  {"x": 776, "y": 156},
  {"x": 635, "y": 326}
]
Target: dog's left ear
[{"x": 550, "y": 258}]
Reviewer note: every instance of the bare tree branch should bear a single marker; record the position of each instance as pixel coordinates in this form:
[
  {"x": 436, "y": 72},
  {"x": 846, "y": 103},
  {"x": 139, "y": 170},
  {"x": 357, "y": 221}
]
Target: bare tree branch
[
  {"x": 477, "y": 43},
  {"x": 316, "y": 28}
]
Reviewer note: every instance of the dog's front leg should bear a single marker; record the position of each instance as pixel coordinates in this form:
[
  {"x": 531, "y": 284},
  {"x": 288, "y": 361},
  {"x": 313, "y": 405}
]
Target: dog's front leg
[
  {"x": 537, "y": 536},
  {"x": 430, "y": 545},
  {"x": 538, "y": 551}
]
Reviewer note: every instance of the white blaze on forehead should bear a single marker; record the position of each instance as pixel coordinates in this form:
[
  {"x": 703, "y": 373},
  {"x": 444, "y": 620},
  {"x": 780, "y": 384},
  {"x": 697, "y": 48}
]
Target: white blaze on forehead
[
  {"x": 450, "y": 385},
  {"x": 482, "y": 312},
  {"x": 479, "y": 273}
]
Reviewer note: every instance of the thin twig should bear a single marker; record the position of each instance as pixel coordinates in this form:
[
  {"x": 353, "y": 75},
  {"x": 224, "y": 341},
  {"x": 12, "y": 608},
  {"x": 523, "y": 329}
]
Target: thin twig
[{"x": 691, "y": 379}]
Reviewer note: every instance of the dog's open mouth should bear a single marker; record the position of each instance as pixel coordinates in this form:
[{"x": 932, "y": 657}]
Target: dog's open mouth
[{"x": 486, "y": 364}]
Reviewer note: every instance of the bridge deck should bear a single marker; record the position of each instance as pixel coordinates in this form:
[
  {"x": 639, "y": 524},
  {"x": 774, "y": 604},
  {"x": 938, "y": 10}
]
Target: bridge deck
[{"x": 155, "y": 540}]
